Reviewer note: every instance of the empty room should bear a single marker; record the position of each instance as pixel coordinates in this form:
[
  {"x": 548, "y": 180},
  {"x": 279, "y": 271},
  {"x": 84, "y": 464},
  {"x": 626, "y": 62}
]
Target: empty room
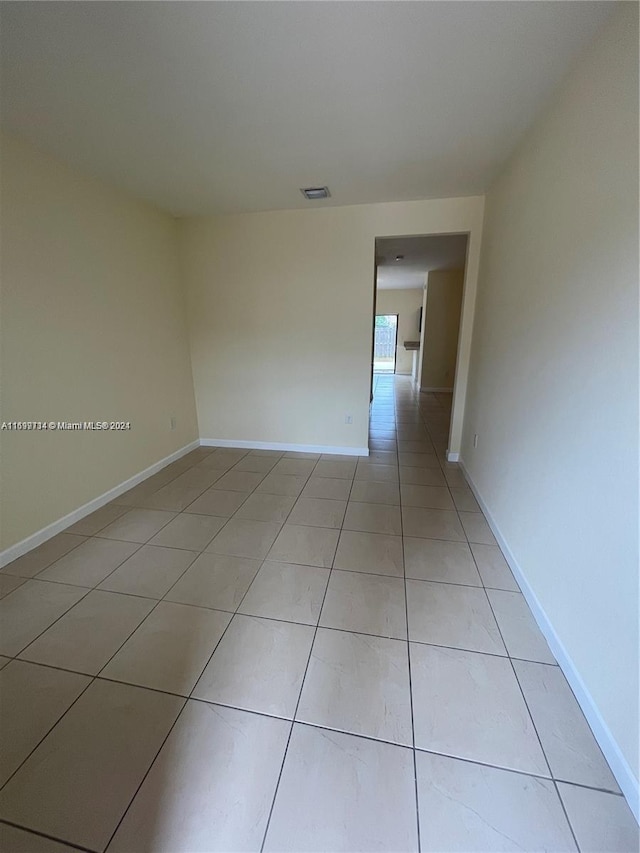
[{"x": 319, "y": 428}]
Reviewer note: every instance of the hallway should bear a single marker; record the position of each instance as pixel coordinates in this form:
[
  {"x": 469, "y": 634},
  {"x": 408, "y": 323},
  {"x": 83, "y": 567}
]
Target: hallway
[{"x": 264, "y": 650}]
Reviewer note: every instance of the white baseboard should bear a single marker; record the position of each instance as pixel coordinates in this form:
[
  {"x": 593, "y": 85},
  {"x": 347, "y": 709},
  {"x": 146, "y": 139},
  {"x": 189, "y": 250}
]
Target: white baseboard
[
  {"x": 452, "y": 457},
  {"x": 617, "y": 762},
  {"x": 277, "y": 445},
  {"x": 20, "y": 548},
  {"x": 430, "y": 390}
]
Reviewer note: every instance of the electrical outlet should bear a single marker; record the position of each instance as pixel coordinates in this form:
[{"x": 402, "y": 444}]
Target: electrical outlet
[
  {"x": 475, "y": 440},
  {"x": 173, "y": 423},
  {"x": 348, "y": 419}
]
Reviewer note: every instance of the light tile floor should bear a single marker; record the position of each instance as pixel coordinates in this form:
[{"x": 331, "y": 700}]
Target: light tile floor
[{"x": 263, "y": 650}]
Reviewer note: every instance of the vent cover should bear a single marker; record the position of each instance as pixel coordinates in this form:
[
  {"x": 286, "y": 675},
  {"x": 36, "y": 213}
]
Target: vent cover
[{"x": 315, "y": 193}]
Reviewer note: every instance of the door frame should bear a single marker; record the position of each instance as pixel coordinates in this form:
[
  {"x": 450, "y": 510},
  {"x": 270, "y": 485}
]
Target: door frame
[{"x": 473, "y": 232}]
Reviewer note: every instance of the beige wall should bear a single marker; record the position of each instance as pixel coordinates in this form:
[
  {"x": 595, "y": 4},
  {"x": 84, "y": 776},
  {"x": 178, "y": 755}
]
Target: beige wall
[
  {"x": 441, "y": 327},
  {"x": 280, "y": 308},
  {"x": 553, "y": 392},
  {"x": 406, "y": 303},
  {"x": 93, "y": 328}
]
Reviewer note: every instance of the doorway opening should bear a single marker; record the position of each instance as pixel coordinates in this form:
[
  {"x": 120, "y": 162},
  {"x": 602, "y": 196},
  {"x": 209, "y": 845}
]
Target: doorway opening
[
  {"x": 418, "y": 299},
  {"x": 385, "y": 343}
]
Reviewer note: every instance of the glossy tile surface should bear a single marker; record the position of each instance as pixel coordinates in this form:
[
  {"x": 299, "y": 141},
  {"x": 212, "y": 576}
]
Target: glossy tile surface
[
  {"x": 310, "y": 546},
  {"x": 432, "y": 523},
  {"x": 250, "y": 595},
  {"x": 476, "y": 528},
  {"x": 20, "y": 841},
  {"x": 94, "y": 522},
  {"x": 170, "y": 648},
  {"x": 452, "y": 615},
  {"x": 521, "y": 635},
  {"x": 114, "y": 729},
  {"x": 358, "y": 684},
  {"x": 330, "y": 796},
  {"x": 327, "y": 487},
  {"x": 429, "y": 497},
  {"x": 215, "y": 580},
  {"x": 89, "y": 563},
  {"x": 201, "y": 774},
  {"x": 464, "y": 500},
  {"x": 469, "y": 705},
  {"x": 33, "y": 700},
  {"x": 438, "y": 560},
  {"x": 602, "y": 823},
  {"x": 8, "y": 583},
  {"x": 245, "y": 538},
  {"x": 375, "y": 553},
  {"x": 32, "y": 608},
  {"x": 265, "y": 507},
  {"x": 218, "y": 502},
  {"x": 259, "y": 665},
  {"x": 373, "y": 518},
  {"x": 286, "y": 591},
  {"x": 189, "y": 531},
  {"x": 39, "y": 558},
  {"x": 568, "y": 742},
  {"x": 493, "y": 567},
  {"x": 318, "y": 512},
  {"x": 282, "y": 484},
  {"x": 88, "y": 635},
  {"x": 365, "y": 491},
  {"x": 366, "y": 604},
  {"x": 474, "y": 809},
  {"x": 137, "y": 525},
  {"x": 150, "y": 572}
]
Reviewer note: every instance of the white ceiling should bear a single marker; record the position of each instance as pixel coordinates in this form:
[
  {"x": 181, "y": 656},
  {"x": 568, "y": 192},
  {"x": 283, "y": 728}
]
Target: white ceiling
[
  {"x": 206, "y": 107},
  {"x": 421, "y": 255}
]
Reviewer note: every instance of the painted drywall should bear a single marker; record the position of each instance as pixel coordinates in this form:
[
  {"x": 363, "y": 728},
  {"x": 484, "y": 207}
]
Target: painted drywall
[
  {"x": 93, "y": 329},
  {"x": 406, "y": 303},
  {"x": 553, "y": 392},
  {"x": 441, "y": 327},
  {"x": 280, "y": 316}
]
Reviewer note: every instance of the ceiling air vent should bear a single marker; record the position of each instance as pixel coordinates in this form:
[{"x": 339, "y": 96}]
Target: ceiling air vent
[{"x": 315, "y": 193}]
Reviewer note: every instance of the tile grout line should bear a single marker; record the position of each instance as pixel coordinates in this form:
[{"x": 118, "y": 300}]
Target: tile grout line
[
  {"x": 179, "y": 714},
  {"x": 553, "y": 780},
  {"x": 185, "y": 702},
  {"x": 141, "y": 545},
  {"x": 146, "y": 773},
  {"x": 535, "y": 728},
  {"x": 302, "y": 682},
  {"x": 148, "y": 543},
  {"x": 129, "y": 507},
  {"x": 566, "y": 815},
  {"x": 44, "y": 835},
  {"x": 411, "y": 708},
  {"x": 94, "y": 677},
  {"x": 285, "y": 622},
  {"x": 317, "y": 625},
  {"x": 217, "y": 644},
  {"x": 255, "y": 712},
  {"x": 3, "y": 570},
  {"x": 91, "y": 678},
  {"x": 95, "y": 589}
]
